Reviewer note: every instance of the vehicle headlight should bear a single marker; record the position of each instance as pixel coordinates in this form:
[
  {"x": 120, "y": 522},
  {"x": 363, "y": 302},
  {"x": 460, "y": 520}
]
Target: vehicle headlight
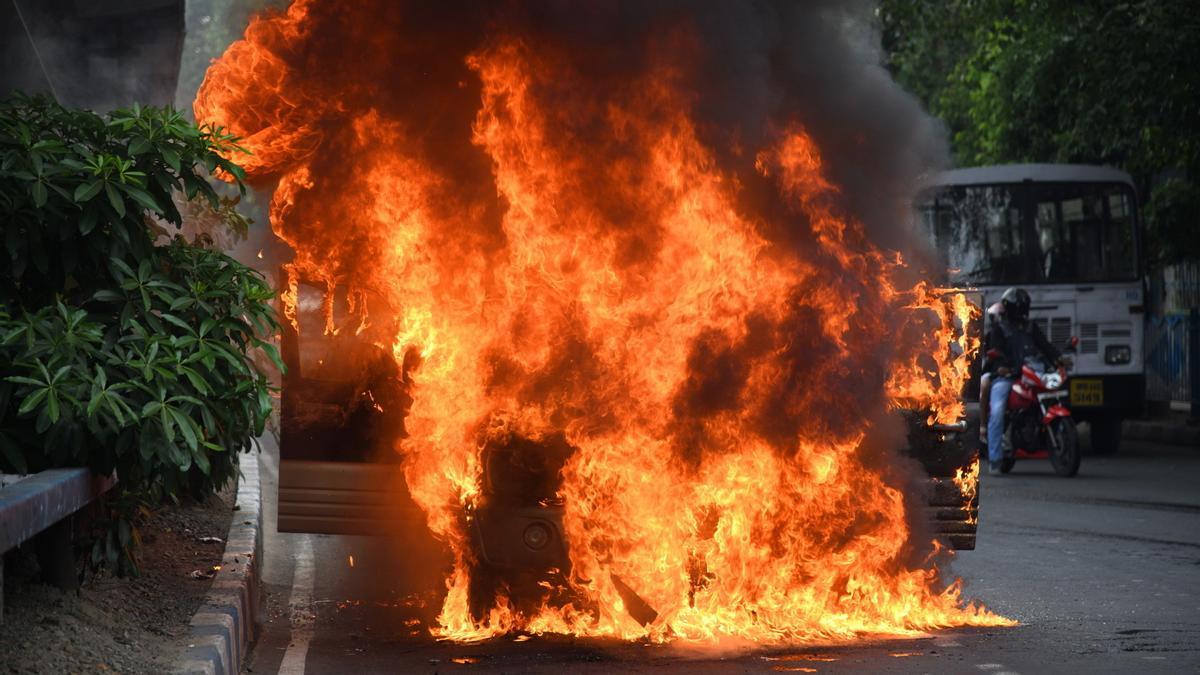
[
  {"x": 537, "y": 536},
  {"x": 1117, "y": 354},
  {"x": 1052, "y": 380}
]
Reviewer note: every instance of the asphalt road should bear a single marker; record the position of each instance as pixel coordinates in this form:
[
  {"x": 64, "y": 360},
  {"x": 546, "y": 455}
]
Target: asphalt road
[{"x": 1102, "y": 571}]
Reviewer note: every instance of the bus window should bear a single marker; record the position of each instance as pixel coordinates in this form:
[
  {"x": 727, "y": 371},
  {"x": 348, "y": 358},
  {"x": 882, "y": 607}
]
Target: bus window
[
  {"x": 1081, "y": 232},
  {"x": 1084, "y": 233},
  {"x": 977, "y": 232}
]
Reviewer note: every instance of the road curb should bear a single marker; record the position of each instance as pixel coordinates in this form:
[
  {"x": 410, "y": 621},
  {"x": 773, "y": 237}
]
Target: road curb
[
  {"x": 1157, "y": 432},
  {"x": 223, "y": 628}
]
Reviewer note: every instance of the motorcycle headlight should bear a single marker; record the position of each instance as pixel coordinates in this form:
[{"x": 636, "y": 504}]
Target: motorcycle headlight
[
  {"x": 1052, "y": 380},
  {"x": 1117, "y": 354}
]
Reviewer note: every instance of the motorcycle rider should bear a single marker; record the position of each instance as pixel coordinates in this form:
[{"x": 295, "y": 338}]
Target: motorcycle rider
[
  {"x": 1012, "y": 338},
  {"x": 985, "y": 379}
]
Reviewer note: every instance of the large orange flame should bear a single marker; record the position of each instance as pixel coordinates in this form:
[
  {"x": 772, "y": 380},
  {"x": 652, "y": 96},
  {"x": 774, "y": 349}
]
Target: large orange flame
[{"x": 717, "y": 380}]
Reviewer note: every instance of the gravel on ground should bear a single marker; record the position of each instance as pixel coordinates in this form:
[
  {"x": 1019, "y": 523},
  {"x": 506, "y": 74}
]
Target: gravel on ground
[{"x": 113, "y": 624}]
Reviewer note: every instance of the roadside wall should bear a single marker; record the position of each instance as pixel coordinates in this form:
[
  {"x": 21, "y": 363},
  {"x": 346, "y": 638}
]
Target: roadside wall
[{"x": 1174, "y": 295}]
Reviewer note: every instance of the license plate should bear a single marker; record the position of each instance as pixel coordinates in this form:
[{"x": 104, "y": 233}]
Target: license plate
[{"x": 1087, "y": 392}]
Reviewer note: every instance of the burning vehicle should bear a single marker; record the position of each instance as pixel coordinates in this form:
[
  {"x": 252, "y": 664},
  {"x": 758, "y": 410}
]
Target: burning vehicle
[
  {"x": 338, "y": 475},
  {"x": 622, "y": 302}
]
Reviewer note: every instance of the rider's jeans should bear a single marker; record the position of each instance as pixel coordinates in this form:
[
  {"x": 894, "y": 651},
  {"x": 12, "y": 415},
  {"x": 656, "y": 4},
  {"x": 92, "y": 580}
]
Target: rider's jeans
[{"x": 998, "y": 399}]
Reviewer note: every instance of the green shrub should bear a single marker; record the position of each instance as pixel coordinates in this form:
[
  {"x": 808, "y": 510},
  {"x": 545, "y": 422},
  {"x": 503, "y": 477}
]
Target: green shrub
[{"x": 118, "y": 352}]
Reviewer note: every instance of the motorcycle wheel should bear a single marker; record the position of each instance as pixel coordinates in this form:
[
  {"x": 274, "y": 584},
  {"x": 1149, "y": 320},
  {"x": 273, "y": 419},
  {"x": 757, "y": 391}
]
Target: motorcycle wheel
[{"x": 1064, "y": 447}]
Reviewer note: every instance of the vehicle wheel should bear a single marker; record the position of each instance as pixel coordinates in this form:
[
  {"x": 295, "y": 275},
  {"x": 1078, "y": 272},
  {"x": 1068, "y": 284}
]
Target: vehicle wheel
[
  {"x": 1064, "y": 447},
  {"x": 1007, "y": 464},
  {"x": 1106, "y": 435},
  {"x": 484, "y": 584}
]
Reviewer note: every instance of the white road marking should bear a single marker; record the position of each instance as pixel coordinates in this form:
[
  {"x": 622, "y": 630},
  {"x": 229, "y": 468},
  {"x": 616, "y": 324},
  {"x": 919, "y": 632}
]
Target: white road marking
[
  {"x": 947, "y": 643},
  {"x": 994, "y": 668},
  {"x": 300, "y": 605}
]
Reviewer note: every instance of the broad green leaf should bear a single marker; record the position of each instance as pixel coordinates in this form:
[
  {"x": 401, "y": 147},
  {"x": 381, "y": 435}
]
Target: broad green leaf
[
  {"x": 87, "y": 222},
  {"x": 41, "y": 425},
  {"x": 119, "y": 408},
  {"x": 20, "y": 379},
  {"x": 171, "y": 157},
  {"x": 39, "y": 194},
  {"x": 32, "y": 401},
  {"x": 97, "y": 398},
  {"x": 168, "y": 423},
  {"x": 121, "y": 265},
  {"x": 185, "y": 425},
  {"x": 87, "y": 190},
  {"x": 176, "y": 321},
  {"x": 201, "y": 461},
  {"x": 195, "y": 378},
  {"x": 139, "y": 145},
  {"x": 145, "y": 199},
  {"x": 264, "y": 400},
  {"x": 272, "y": 354},
  {"x": 115, "y": 200},
  {"x": 52, "y": 406}
]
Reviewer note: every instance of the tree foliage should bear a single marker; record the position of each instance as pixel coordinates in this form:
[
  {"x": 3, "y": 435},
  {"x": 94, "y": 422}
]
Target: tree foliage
[
  {"x": 119, "y": 351},
  {"x": 1110, "y": 83}
]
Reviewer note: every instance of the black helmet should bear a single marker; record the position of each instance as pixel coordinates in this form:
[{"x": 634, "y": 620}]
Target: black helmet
[{"x": 1016, "y": 304}]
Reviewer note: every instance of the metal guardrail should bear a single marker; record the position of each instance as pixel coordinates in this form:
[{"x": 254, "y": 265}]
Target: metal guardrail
[{"x": 30, "y": 505}]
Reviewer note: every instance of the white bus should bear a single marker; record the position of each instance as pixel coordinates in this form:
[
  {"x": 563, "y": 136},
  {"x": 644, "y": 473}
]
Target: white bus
[{"x": 1071, "y": 236}]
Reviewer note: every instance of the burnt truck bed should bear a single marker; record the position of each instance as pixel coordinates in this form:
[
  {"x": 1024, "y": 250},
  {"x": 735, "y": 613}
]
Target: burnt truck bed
[
  {"x": 339, "y": 473},
  {"x": 337, "y": 476}
]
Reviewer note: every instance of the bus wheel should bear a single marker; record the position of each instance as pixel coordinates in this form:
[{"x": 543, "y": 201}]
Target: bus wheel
[{"x": 1106, "y": 435}]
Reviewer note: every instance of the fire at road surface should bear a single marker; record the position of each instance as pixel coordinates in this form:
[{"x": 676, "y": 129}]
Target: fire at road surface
[
  {"x": 655, "y": 255},
  {"x": 1101, "y": 572}
]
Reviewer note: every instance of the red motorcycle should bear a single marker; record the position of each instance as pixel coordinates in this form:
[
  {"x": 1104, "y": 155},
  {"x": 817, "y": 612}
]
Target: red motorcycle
[{"x": 1037, "y": 422}]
